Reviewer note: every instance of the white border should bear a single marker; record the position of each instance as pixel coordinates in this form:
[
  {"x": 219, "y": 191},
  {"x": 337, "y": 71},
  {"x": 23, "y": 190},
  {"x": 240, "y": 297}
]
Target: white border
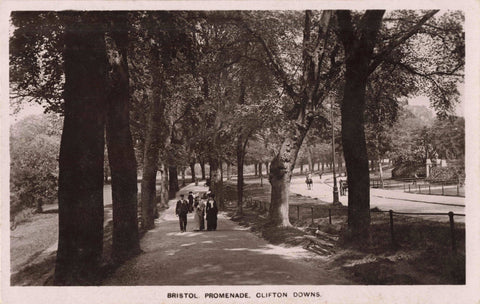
[{"x": 330, "y": 294}]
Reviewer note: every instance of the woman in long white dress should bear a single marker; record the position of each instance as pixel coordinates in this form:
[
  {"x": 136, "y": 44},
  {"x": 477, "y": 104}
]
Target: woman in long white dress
[{"x": 199, "y": 213}]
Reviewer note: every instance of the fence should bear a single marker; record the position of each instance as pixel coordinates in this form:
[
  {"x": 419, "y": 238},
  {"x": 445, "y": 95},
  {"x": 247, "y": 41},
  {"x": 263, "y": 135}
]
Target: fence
[
  {"x": 421, "y": 186},
  {"x": 262, "y": 206}
]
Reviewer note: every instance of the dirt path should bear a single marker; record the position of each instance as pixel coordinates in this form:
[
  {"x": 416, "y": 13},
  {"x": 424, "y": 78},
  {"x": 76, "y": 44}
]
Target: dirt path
[{"x": 229, "y": 256}]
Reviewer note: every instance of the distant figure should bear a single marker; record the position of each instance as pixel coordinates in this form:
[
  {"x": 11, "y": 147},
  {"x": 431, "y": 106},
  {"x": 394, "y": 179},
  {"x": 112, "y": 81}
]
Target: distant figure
[
  {"x": 320, "y": 175},
  {"x": 415, "y": 177},
  {"x": 212, "y": 211},
  {"x": 190, "y": 201},
  {"x": 309, "y": 181},
  {"x": 199, "y": 208},
  {"x": 343, "y": 187},
  {"x": 181, "y": 211}
]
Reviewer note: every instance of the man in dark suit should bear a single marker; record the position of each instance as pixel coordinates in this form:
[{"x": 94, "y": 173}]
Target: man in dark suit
[
  {"x": 190, "y": 201},
  {"x": 181, "y": 211}
]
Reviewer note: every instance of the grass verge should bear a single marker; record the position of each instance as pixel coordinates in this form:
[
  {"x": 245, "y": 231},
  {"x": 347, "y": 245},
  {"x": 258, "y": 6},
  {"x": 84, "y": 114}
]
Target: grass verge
[{"x": 421, "y": 254}]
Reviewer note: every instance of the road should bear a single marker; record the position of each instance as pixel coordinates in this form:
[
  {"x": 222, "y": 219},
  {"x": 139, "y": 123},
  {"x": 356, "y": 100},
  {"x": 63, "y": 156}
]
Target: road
[
  {"x": 232, "y": 255},
  {"x": 395, "y": 200}
]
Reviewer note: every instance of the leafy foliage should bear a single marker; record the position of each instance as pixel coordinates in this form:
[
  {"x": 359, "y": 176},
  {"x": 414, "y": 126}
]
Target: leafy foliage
[
  {"x": 36, "y": 61},
  {"x": 34, "y": 147}
]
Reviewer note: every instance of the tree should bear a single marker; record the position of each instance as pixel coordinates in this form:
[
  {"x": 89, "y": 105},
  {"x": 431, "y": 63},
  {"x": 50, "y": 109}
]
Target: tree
[
  {"x": 447, "y": 137},
  {"x": 316, "y": 56},
  {"x": 160, "y": 53},
  {"x": 360, "y": 36},
  {"x": 85, "y": 85},
  {"x": 406, "y": 140},
  {"x": 80, "y": 186},
  {"x": 34, "y": 145},
  {"x": 121, "y": 155}
]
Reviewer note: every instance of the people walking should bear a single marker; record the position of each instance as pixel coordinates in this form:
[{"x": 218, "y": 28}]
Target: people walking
[
  {"x": 181, "y": 211},
  {"x": 199, "y": 214},
  {"x": 212, "y": 210},
  {"x": 190, "y": 201},
  {"x": 309, "y": 181}
]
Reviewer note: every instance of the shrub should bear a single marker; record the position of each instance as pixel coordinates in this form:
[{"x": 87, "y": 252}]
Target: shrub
[
  {"x": 408, "y": 170},
  {"x": 34, "y": 148},
  {"x": 441, "y": 174}
]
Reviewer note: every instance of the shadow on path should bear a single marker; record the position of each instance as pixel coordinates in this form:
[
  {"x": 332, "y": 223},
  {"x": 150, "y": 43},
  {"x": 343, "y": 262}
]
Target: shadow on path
[{"x": 229, "y": 256}]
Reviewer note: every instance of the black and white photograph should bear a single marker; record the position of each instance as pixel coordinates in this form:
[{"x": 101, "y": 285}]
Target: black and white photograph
[{"x": 239, "y": 152}]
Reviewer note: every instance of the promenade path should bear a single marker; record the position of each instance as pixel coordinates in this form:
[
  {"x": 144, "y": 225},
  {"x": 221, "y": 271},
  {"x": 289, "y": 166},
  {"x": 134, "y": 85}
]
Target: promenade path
[
  {"x": 395, "y": 200},
  {"x": 232, "y": 255}
]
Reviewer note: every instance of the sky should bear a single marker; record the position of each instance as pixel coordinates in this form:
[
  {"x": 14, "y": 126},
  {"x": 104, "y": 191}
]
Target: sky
[
  {"x": 424, "y": 101},
  {"x": 34, "y": 109}
]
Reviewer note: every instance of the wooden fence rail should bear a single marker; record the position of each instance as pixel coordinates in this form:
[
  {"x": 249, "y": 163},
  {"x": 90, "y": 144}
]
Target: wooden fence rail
[{"x": 263, "y": 207}]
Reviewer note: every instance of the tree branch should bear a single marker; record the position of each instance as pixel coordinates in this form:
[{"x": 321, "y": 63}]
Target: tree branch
[
  {"x": 379, "y": 58},
  {"x": 412, "y": 70},
  {"x": 279, "y": 72}
]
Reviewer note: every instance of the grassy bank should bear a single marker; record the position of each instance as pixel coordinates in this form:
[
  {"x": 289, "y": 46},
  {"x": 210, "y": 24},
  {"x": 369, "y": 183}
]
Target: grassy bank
[{"x": 421, "y": 253}]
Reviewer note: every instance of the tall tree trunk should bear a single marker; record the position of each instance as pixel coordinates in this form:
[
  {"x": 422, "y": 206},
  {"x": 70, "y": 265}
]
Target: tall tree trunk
[
  {"x": 267, "y": 167},
  {"x": 80, "y": 183},
  {"x": 240, "y": 149},
  {"x": 211, "y": 172},
  {"x": 155, "y": 137},
  {"x": 339, "y": 162},
  {"x": 229, "y": 171},
  {"x": 202, "y": 168},
  {"x": 256, "y": 169},
  {"x": 172, "y": 181},
  {"x": 281, "y": 168},
  {"x": 164, "y": 185},
  {"x": 260, "y": 169},
  {"x": 39, "y": 205},
  {"x": 192, "y": 169},
  {"x": 381, "y": 170},
  {"x": 106, "y": 173},
  {"x": 149, "y": 175},
  {"x": 240, "y": 162},
  {"x": 301, "y": 168},
  {"x": 183, "y": 176},
  {"x": 150, "y": 162},
  {"x": 221, "y": 171},
  {"x": 353, "y": 139},
  {"x": 121, "y": 155},
  {"x": 310, "y": 159},
  {"x": 216, "y": 181},
  {"x": 358, "y": 51}
]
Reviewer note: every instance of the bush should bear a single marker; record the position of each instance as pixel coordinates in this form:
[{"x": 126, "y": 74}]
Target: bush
[
  {"x": 441, "y": 174},
  {"x": 408, "y": 170},
  {"x": 34, "y": 148}
]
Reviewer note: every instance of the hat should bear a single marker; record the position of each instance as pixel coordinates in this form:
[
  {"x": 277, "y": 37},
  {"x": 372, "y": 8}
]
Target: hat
[{"x": 182, "y": 195}]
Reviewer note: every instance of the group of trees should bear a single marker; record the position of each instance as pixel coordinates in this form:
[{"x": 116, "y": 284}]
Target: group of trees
[
  {"x": 414, "y": 139},
  {"x": 34, "y": 145},
  {"x": 171, "y": 89}
]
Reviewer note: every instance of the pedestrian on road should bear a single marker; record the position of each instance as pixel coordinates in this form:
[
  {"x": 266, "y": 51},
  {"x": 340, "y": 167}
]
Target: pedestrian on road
[
  {"x": 212, "y": 211},
  {"x": 181, "y": 211},
  {"x": 190, "y": 201},
  {"x": 415, "y": 177},
  {"x": 309, "y": 181}
]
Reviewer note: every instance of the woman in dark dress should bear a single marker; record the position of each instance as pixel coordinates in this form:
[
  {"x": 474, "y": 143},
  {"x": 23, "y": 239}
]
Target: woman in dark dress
[{"x": 212, "y": 211}]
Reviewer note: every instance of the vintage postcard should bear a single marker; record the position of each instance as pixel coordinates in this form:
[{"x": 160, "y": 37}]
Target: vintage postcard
[{"x": 239, "y": 151}]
